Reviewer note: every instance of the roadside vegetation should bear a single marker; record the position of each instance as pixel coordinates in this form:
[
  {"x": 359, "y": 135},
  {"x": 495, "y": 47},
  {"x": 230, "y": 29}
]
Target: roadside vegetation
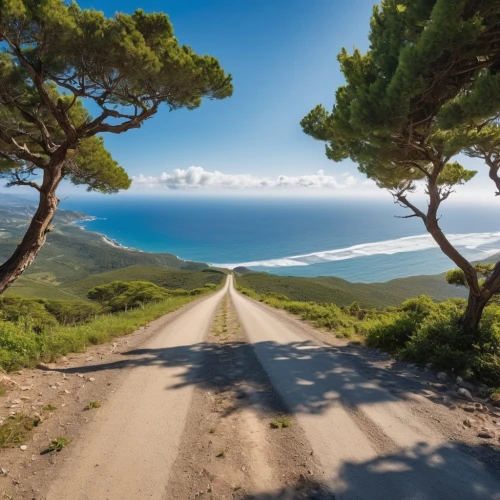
[
  {"x": 34, "y": 330},
  {"x": 420, "y": 331}
]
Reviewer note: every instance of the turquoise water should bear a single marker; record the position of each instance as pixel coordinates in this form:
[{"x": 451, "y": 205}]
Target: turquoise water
[{"x": 301, "y": 237}]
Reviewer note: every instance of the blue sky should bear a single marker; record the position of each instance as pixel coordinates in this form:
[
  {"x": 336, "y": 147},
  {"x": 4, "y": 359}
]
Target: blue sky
[{"x": 282, "y": 55}]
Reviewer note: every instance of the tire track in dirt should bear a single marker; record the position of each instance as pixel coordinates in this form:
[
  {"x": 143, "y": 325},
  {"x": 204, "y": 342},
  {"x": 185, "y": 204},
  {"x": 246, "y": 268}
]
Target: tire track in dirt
[{"x": 228, "y": 448}]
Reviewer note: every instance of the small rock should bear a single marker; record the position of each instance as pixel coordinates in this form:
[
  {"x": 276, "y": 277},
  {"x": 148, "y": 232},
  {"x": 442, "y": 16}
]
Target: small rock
[
  {"x": 469, "y": 409},
  {"x": 25, "y": 388},
  {"x": 464, "y": 393},
  {"x": 23, "y": 447},
  {"x": 468, "y": 422},
  {"x": 90, "y": 358},
  {"x": 486, "y": 435},
  {"x": 442, "y": 376},
  {"x": 91, "y": 379},
  {"x": 79, "y": 375},
  {"x": 453, "y": 407},
  {"x": 428, "y": 366},
  {"x": 5, "y": 470},
  {"x": 243, "y": 468},
  {"x": 66, "y": 391}
]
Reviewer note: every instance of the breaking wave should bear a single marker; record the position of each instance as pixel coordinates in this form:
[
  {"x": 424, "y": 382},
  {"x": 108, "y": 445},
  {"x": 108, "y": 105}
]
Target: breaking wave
[{"x": 470, "y": 241}]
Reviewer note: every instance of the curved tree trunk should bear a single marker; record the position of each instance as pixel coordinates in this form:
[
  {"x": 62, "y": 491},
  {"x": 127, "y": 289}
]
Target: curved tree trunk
[
  {"x": 35, "y": 236},
  {"x": 472, "y": 316}
]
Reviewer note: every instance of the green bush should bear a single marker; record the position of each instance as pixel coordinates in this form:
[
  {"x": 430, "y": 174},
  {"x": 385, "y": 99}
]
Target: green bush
[
  {"x": 17, "y": 347},
  {"x": 121, "y": 295},
  {"x": 29, "y": 314},
  {"x": 392, "y": 333},
  {"x": 71, "y": 312}
]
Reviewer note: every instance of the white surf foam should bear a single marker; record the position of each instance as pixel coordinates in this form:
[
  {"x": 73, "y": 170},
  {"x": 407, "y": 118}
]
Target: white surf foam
[{"x": 470, "y": 241}]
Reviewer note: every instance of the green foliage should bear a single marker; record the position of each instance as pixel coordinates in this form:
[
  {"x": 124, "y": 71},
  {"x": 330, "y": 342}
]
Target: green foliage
[
  {"x": 128, "y": 65},
  {"x": 71, "y": 312},
  {"x": 457, "y": 276},
  {"x": 119, "y": 295},
  {"x": 58, "y": 444},
  {"x": 20, "y": 348},
  {"x": 281, "y": 423},
  {"x": 93, "y": 405},
  {"x": 29, "y": 314},
  {"x": 39, "y": 315}
]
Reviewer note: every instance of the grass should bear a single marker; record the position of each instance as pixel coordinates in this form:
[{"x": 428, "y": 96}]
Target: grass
[
  {"x": 281, "y": 423},
  {"x": 20, "y": 348},
  {"x": 16, "y": 429},
  {"x": 220, "y": 325},
  {"x": 222, "y": 454},
  {"x": 49, "y": 407},
  {"x": 93, "y": 405},
  {"x": 58, "y": 444},
  {"x": 212, "y": 430}
]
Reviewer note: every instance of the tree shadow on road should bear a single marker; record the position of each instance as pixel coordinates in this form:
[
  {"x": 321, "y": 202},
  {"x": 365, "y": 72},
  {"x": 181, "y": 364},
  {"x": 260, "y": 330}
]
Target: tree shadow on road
[
  {"x": 418, "y": 473},
  {"x": 316, "y": 375},
  {"x": 319, "y": 378}
]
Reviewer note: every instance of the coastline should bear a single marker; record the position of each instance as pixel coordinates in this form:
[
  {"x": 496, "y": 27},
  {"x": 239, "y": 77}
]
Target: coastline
[{"x": 105, "y": 239}]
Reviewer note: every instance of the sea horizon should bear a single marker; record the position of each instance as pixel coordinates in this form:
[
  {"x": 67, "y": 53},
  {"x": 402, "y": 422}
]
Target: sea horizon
[{"x": 306, "y": 237}]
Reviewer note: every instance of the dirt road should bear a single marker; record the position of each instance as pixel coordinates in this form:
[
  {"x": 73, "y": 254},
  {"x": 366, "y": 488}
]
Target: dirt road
[
  {"x": 370, "y": 444},
  {"x": 190, "y": 409},
  {"x": 130, "y": 448}
]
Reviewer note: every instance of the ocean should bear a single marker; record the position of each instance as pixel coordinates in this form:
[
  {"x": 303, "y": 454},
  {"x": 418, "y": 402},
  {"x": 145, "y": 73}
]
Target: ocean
[{"x": 355, "y": 240}]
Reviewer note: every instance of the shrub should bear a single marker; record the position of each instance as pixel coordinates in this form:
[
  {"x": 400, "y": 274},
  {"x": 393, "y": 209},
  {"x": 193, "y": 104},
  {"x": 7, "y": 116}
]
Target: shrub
[
  {"x": 31, "y": 315},
  {"x": 393, "y": 333},
  {"x": 121, "y": 295},
  {"x": 72, "y": 312}
]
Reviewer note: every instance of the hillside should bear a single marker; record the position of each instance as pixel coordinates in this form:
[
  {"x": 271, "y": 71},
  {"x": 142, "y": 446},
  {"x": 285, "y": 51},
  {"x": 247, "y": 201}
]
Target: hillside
[
  {"x": 341, "y": 292},
  {"x": 168, "y": 278},
  {"x": 72, "y": 254}
]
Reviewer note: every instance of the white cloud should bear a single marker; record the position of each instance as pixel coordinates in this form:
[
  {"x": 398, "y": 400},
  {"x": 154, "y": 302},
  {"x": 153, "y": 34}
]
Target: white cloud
[{"x": 197, "y": 177}]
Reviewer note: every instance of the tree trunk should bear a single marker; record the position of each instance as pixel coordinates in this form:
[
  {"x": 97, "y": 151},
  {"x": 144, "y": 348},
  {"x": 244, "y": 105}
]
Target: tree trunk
[
  {"x": 472, "y": 316},
  {"x": 34, "y": 238}
]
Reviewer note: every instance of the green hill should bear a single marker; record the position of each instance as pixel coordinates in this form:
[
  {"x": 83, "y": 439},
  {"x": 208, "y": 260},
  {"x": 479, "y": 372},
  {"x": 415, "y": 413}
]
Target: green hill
[{"x": 326, "y": 289}]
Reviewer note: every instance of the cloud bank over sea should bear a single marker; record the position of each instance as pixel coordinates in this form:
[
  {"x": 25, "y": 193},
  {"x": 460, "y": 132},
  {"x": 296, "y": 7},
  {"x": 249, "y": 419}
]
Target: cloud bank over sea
[
  {"x": 469, "y": 241},
  {"x": 197, "y": 177}
]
